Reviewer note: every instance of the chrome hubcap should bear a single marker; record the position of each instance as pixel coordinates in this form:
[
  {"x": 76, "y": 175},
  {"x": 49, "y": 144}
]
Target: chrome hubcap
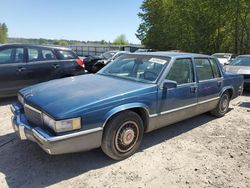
[{"x": 126, "y": 136}]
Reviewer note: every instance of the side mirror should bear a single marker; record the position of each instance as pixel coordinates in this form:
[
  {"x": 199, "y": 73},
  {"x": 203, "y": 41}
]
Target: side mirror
[{"x": 169, "y": 84}]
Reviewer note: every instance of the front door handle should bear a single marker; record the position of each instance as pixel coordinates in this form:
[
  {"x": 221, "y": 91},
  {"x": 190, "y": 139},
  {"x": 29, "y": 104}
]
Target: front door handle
[
  {"x": 56, "y": 66},
  {"x": 193, "y": 89},
  {"x": 20, "y": 69},
  {"x": 219, "y": 83}
]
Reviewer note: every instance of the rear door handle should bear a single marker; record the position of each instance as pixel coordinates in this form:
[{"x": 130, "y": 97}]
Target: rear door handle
[
  {"x": 20, "y": 69},
  {"x": 193, "y": 89}
]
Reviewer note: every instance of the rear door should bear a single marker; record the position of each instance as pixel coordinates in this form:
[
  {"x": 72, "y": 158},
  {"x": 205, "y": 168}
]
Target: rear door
[
  {"x": 68, "y": 64},
  {"x": 42, "y": 65},
  {"x": 12, "y": 68},
  {"x": 209, "y": 82}
]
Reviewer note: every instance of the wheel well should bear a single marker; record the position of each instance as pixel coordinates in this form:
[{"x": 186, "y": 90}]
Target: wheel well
[
  {"x": 143, "y": 114},
  {"x": 140, "y": 111},
  {"x": 230, "y": 91}
]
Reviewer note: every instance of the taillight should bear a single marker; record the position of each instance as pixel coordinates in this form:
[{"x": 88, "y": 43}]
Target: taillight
[{"x": 80, "y": 62}]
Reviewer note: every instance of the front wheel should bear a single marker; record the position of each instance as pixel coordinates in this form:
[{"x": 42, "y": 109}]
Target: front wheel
[
  {"x": 222, "y": 107},
  {"x": 122, "y": 135}
]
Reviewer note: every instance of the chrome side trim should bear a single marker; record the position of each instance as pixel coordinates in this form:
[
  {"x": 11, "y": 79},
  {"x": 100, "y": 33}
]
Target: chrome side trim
[
  {"x": 47, "y": 138},
  {"x": 209, "y": 100},
  {"x": 177, "y": 109},
  {"x": 182, "y": 108}
]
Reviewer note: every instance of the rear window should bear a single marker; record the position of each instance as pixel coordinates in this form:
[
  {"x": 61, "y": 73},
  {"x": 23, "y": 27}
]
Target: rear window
[{"x": 67, "y": 54}]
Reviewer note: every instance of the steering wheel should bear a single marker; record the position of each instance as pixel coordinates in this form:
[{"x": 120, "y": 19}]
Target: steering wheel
[{"x": 149, "y": 75}]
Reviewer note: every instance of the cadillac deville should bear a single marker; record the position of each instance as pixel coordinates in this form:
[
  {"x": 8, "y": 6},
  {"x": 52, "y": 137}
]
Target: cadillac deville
[{"x": 135, "y": 94}]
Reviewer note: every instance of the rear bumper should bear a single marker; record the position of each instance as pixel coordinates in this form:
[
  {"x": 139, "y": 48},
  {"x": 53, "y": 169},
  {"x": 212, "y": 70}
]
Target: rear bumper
[{"x": 74, "y": 142}]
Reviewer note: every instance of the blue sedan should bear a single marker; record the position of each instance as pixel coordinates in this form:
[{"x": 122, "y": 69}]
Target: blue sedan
[{"x": 112, "y": 109}]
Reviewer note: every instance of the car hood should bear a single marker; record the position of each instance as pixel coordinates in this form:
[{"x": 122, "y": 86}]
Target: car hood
[
  {"x": 64, "y": 97},
  {"x": 238, "y": 69}
]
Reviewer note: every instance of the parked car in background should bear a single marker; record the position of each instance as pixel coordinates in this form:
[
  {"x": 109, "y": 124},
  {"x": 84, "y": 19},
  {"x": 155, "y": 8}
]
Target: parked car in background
[
  {"x": 145, "y": 50},
  {"x": 94, "y": 64},
  {"x": 225, "y": 58},
  {"x": 112, "y": 109},
  {"x": 241, "y": 65},
  {"x": 102, "y": 63},
  {"x": 22, "y": 65}
]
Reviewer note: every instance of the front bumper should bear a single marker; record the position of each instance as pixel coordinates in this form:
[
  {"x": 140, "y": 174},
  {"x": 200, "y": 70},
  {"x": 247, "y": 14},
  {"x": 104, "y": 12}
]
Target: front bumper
[{"x": 74, "y": 142}]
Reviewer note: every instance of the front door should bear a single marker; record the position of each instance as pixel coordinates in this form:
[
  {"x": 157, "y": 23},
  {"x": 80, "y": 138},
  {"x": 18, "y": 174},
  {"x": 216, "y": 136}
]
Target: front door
[
  {"x": 178, "y": 103},
  {"x": 12, "y": 68}
]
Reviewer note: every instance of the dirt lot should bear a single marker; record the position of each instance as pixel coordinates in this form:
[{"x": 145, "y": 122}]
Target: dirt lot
[{"x": 199, "y": 152}]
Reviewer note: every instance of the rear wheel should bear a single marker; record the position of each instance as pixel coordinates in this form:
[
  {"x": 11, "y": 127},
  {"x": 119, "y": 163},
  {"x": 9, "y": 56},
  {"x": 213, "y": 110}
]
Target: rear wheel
[
  {"x": 123, "y": 135},
  {"x": 222, "y": 107}
]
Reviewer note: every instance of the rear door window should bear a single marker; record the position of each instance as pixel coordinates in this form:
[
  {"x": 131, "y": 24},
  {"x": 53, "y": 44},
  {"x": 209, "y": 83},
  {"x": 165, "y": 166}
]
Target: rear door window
[
  {"x": 204, "y": 69},
  {"x": 33, "y": 54},
  {"x": 65, "y": 54},
  {"x": 48, "y": 54},
  {"x": 19, "y": 55}
]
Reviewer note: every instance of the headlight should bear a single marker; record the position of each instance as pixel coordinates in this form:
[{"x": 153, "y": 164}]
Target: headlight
[
  {"x": 63, "y": 125},
  {"x": 20, "y": 99}
]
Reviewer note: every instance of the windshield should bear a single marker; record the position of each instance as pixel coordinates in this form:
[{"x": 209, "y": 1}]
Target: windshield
[
  {"x": 241, "y": 61},
  {"x": 144, "y": 68}
]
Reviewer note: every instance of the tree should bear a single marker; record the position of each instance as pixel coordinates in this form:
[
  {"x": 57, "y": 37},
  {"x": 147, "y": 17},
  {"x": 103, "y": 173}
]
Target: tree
[
  {"x": 60, "y": 42},
  {"x": 120, "y": 40},
  {"x": 206, "y": 26},
  {"x": 3, "y": 33}
]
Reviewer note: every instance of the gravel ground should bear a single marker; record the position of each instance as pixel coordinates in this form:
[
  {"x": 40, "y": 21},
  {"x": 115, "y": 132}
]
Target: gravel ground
[{"x": 199, "y": 152}]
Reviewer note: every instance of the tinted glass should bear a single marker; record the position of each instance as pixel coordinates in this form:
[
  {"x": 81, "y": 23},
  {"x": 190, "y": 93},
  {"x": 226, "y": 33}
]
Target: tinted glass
[
  {"x": 67, "y": 55},
  {"x": 181, "y": 71},
  {"x": 33, "y": 54},
  {"x": 241, "y": 61},
  {"x": 204, "y": 69},
  {"x": 48, "y": 54},
  {"x": 136, "y": 67},
  {"x": 215, "y": 68},
  {"x": 19, "y": 55},
  {"x": 5, "y": 56}
]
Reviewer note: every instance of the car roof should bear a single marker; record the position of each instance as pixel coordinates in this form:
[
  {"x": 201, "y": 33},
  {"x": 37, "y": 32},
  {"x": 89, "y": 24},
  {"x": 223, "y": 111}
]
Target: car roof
[
  {"x": 172, "y": 54},
  {"x": 247, "y": 55},
  {"x": 33, "y": 45},
  {"x": 223, "y": 54}
]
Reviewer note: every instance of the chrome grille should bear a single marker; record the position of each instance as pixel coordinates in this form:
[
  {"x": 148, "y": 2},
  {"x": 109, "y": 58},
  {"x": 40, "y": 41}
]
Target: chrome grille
[{"x": 33, "y": 115}]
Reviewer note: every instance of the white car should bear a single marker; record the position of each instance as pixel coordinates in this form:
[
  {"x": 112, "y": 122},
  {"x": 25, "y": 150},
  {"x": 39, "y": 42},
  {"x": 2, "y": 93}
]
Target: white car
[{"x": 225, "y": 58}]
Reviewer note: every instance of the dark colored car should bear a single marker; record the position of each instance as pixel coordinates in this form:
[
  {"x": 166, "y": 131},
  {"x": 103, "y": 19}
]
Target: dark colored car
[
  {"x": 23, "y": 65},
  {"x": 241, "y": 65},
  {"x": 92, "y": 63},
  {"x": 134, "y": 94}
]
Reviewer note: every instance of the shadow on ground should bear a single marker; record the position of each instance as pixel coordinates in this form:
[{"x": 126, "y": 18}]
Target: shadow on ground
[{"x": 24, "y": 164}]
